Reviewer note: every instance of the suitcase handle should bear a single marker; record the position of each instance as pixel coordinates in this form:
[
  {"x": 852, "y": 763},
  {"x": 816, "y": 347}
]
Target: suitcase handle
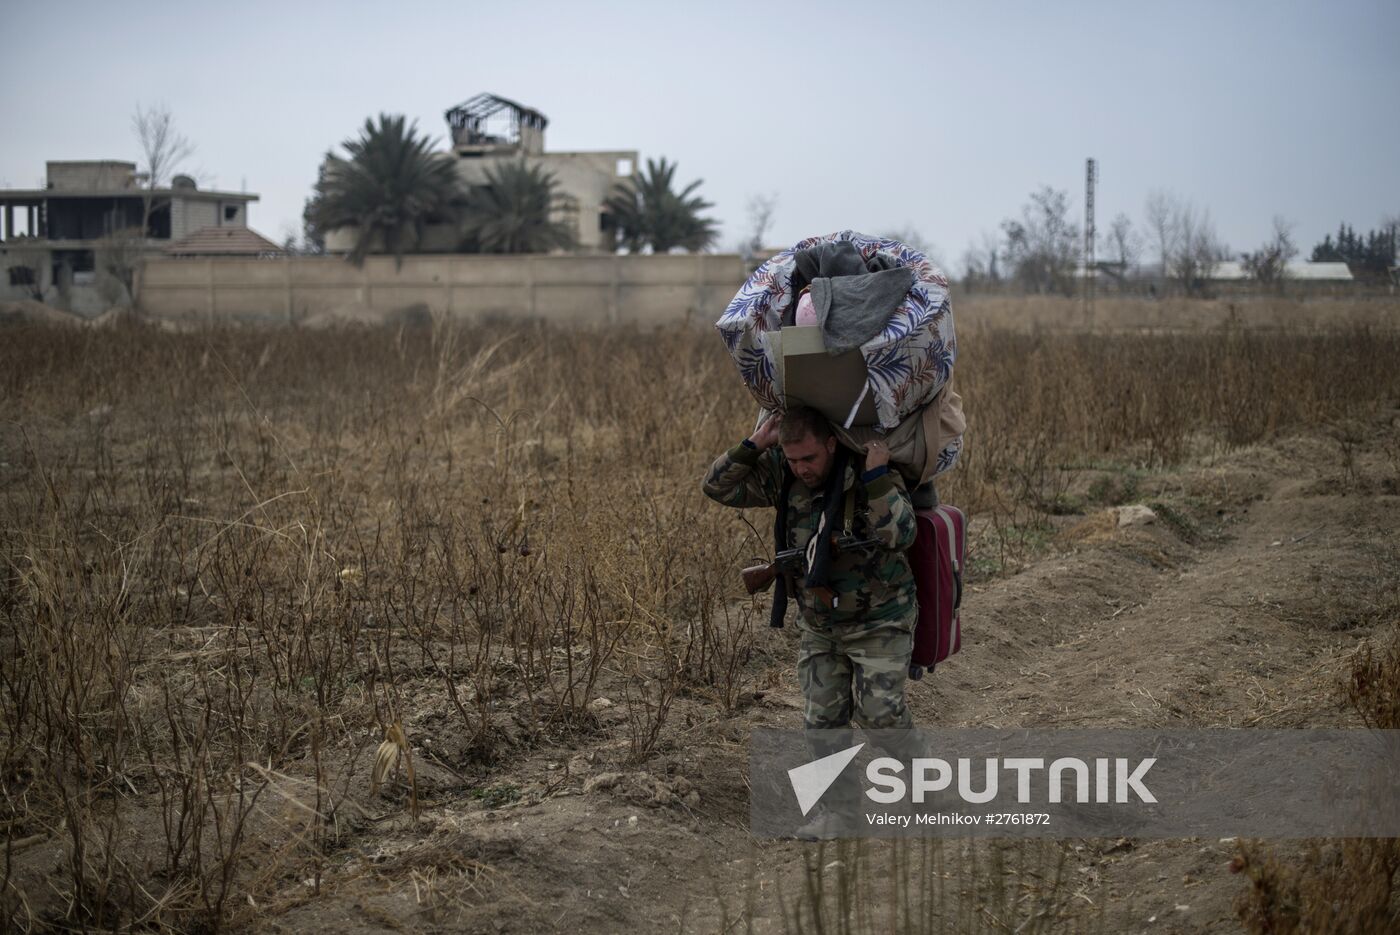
[{"x": 957, "y": 565}]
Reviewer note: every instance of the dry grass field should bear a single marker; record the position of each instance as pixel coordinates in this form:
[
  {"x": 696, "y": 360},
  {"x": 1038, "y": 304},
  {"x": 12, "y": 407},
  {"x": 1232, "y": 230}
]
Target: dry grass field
[{"x": 381, "y": 629}]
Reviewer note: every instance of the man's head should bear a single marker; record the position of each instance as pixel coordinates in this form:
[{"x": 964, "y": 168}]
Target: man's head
[{"x": 808, "y": 444}]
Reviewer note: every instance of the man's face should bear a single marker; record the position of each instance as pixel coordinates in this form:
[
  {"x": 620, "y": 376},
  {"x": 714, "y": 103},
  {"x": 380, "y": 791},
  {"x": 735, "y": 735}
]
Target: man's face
[{"x": 810, "y": 459}]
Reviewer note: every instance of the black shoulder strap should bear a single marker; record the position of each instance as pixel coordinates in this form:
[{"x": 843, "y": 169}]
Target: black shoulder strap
[
  {"x": 819, "y": 569},
  {"x": 780, "y": 542}
]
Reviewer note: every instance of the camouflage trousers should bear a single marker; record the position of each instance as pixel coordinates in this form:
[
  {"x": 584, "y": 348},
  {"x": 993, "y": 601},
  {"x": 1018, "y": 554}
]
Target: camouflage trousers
[{"x": 855, "y": 672}]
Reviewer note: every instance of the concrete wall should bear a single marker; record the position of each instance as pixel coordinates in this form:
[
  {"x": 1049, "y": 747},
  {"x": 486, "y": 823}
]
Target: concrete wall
[
  {"x": 96, "y": 175},
  {"x": 589, "y": 178},
  {"x": 86, "y": 299},
  {"x": 188, "y": 215},
  {"x": 646, "y": 290}
]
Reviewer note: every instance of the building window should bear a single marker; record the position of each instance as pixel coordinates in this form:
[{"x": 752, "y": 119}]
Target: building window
[
  {"x": 21, "y": 275},
  {"x": 624, "y": 168},
  {"x": 160, "y": 221},
  {"x": 230, "y": 212}
]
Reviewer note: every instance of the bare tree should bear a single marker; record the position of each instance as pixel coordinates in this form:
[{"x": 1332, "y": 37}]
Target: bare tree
[
  {"x": 1184, "y": 240},
  {"x": 761, "y": 209},
  {"x": 118, "y": 259},
  {"x": 1124, "y": 244},
  {"x": 910, "y": 236},
  {"x": 1160, "y": 213},
  {"x": 1198, "y": 249},
  {"x": 979, "y": 261},
  {"x": 1042, "y": 248},
  {"x": 163, "y": 148},
  {"x": 991, "y": 248},
  {"x": 1269, "y": 264}
]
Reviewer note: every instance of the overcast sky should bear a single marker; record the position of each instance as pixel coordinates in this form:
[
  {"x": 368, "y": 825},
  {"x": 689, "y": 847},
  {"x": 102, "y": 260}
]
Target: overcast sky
[{"x": 938, "y": 117}]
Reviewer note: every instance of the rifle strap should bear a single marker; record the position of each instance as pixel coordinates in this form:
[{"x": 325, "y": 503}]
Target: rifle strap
[
  {"x": 819, "y": 569},
  {"x": 780, "y": 542},
  {"x": 834, "y": 504}
]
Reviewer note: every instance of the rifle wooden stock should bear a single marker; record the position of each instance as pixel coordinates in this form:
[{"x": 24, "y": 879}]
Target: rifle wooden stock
[
  {"x": 759, "y": 577},
  {"x": 793, "y": 561}
]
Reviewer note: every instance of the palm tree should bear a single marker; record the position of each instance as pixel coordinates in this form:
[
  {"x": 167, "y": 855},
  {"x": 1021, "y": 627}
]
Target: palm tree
[
  {"x": 510, "y": 213},
  {"x": 647, "y": 211},
  {"x": 391, "y": 186}
]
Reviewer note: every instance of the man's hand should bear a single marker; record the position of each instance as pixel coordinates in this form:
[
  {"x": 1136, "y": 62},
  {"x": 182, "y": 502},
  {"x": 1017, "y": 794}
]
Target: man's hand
[
  {"x": 877, "y": 454},
  {"x": 766, "y": 435}
]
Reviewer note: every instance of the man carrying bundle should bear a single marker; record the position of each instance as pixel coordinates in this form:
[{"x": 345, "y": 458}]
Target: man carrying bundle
[
  {"x": 861, "y": 328},
  {"x": 856, "y": 606}
]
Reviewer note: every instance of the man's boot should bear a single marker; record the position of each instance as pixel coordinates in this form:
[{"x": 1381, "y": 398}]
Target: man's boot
[{"x": 828, "y": 824}]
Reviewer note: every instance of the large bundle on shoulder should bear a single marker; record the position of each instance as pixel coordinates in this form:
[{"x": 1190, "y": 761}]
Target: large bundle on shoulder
[{"x": 860, "y": 328}]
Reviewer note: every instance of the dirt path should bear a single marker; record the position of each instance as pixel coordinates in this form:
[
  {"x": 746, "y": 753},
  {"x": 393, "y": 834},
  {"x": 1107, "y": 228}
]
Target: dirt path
[{"x": 1237, "y": 608}]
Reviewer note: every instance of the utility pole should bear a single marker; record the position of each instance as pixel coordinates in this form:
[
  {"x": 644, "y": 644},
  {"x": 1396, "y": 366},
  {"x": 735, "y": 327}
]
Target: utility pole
[{"x": 1091, "y": 174}]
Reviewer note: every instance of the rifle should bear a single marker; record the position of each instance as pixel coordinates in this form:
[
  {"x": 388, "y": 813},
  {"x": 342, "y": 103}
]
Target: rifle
[{"x": 791, "y": 561}]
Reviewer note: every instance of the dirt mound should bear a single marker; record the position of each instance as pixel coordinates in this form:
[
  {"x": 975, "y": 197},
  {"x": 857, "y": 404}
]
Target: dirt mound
[
  {"x": 357, "y": 313},
  {"x": 118, "y": 316},
  {"x": 349, "y": 313},
  {"x": 30, "y": 312}
]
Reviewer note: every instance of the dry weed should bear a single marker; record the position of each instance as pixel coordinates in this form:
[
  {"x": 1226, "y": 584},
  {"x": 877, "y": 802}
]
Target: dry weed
[{"x": 228, "y": 548}]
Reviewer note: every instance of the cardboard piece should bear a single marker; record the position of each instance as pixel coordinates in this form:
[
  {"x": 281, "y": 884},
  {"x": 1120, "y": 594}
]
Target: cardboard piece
[{"x": 812, "y": 377}]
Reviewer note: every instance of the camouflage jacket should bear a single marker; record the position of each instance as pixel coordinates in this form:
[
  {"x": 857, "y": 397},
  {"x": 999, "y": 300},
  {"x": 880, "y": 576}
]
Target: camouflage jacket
[{"x": 870, "y": 585}]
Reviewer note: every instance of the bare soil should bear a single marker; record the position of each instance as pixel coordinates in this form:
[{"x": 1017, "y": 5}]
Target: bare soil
[{"x": 1238, "y": 607}]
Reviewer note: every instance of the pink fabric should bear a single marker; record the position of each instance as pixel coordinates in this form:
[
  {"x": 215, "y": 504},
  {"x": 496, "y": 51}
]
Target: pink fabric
[{"x": 806, "y": 311}]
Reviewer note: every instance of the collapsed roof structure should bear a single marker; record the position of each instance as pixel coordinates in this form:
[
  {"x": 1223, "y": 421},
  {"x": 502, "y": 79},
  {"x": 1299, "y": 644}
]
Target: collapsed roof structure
[{"x": 491, "y": 122}]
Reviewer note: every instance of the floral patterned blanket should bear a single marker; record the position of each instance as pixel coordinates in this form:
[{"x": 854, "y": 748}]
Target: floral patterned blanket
[{"x": 907, "y": 363}]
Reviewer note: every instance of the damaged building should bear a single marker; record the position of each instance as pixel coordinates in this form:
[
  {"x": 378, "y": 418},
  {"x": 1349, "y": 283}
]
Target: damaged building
[
  {"x": 52, "y": 238},
  {"x": 488, "y": 130}
]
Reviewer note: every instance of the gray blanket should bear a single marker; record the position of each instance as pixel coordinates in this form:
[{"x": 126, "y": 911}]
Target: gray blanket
[{"x": 853, "y": 298}]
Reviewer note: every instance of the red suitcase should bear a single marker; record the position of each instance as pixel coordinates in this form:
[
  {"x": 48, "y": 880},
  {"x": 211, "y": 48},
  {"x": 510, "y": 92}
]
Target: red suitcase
[{"x": 937, "y": 558}]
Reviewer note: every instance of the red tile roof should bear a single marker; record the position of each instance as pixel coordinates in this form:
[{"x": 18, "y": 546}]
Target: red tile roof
[{"x": 225, "y": 241}]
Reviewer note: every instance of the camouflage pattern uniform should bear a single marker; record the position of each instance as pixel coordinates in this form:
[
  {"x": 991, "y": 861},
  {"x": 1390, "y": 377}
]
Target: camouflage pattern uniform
[{"x": 854, "y": 657}]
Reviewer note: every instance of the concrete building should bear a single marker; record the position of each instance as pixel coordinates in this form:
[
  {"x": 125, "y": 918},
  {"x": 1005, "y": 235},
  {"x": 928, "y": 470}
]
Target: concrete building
[
  {"x": 1293, "y": 270},
  {"x": 1300, "y": 279},
  {"x": 488, "y": 130},
  {"x": 50, "y": 237}
]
